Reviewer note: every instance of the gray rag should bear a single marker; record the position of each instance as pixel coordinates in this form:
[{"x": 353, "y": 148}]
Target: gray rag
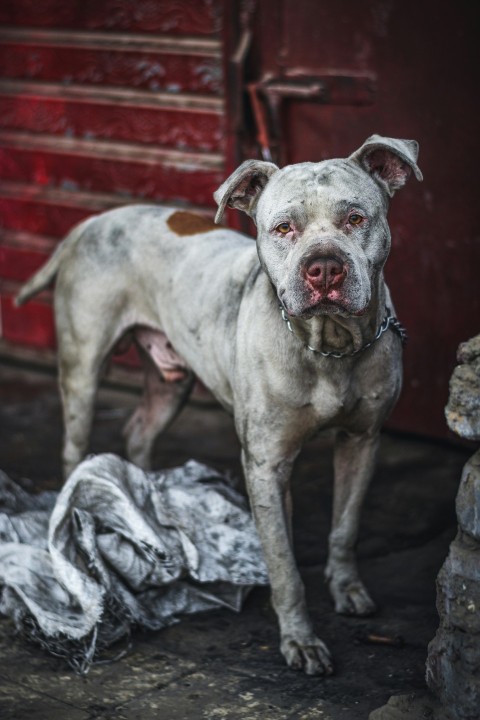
[{"x": 119, "y": 547}]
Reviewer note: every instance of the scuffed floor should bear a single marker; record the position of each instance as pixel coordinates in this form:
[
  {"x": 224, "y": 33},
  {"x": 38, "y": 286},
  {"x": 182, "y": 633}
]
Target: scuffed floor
[{"x": 223, "y": 665}]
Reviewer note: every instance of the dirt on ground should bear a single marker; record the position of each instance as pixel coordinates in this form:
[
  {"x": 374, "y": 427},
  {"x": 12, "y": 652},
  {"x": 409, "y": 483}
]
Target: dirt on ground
[{"x": 225, "y": 665}]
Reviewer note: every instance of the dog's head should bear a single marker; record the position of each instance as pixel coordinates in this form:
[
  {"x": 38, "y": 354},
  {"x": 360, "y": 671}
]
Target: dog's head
[{"x": 323, "y": 236}]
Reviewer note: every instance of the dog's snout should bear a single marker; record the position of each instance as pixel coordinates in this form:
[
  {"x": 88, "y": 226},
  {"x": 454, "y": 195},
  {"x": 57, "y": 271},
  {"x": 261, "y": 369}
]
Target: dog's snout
[{"x": 325, "y": 272}]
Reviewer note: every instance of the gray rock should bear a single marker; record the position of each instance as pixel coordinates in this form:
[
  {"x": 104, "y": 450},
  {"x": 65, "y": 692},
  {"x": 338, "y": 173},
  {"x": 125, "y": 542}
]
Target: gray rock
[
  {"x": 463, "y": 408},
  {"x": 468, "y": 498},
  {"x": 458, "y": 588},
  {"x": 453, "y": 667},
  {"x": 469, "y": 351},
  {"x": 453, "y": 664},
  {"x": 410, "y": 707}
]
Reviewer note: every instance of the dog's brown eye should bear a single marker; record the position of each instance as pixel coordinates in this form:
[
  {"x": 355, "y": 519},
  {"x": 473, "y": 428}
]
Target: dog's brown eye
[
  {"x": 283, "y": 228},
  {"x": 355, "y": 219}
]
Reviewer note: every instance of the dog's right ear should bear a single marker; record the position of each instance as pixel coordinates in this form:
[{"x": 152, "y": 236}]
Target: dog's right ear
[{"x": 244, "y": 186}]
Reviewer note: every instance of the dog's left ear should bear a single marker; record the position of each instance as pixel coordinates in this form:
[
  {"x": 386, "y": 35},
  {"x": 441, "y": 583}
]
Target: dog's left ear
[
  {"x": 389, "y": 161},
  {"x": 244, "y": 186}
]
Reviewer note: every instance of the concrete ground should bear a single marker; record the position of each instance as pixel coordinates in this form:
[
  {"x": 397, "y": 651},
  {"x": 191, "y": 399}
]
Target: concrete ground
[{"x": 223, "y": 665}]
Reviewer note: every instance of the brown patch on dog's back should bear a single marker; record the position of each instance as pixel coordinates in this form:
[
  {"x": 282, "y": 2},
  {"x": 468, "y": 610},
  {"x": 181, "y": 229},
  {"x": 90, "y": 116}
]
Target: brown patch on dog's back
[{"x": 187, "y": 223}]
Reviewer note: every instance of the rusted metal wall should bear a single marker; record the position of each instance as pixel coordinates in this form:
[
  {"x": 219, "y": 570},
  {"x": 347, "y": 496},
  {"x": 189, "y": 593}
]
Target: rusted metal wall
[{"x": 102, "y": 103}]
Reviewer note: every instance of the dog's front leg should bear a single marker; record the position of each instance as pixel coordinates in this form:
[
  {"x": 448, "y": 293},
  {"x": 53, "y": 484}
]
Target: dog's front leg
[
  {"x": 354, "y": 460},
  {"x": 268, "y": 488}
]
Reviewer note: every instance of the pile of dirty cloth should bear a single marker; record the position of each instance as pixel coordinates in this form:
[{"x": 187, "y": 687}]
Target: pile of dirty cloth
[{"x": 119, "y": 548}]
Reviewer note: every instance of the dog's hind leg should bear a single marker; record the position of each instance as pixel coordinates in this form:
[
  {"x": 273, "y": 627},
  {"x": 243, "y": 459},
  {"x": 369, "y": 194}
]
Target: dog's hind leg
[
  {"x": 78, "y": 378},
  {"x": 161, "y": 402}
]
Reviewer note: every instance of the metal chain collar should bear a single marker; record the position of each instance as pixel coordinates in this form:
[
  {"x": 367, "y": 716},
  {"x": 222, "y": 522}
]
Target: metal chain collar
[{"x": 389, "y": 321}]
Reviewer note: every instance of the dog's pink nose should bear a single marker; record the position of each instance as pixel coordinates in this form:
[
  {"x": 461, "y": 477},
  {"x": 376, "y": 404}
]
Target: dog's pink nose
[{"x": 325, "y": 273}]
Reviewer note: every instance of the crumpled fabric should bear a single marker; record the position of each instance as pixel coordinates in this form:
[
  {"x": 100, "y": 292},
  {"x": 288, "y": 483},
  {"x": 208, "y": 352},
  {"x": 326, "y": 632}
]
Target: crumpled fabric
[{"x": 119, "y": 547}]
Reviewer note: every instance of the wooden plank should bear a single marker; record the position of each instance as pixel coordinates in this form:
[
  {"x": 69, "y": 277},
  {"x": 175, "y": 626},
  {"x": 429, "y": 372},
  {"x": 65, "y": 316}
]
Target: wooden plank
[
  {"x": 24, "y": 240},
  {"x": 107, "y": 95},
  {"x": 44, "y": 211},
  {"x": 35, "y": 216},
  {"x": 32, "y": 324},
  {"x": 90, "y": 202},
  {"x": 19, "y": 263},
  {"x": 112, "y": 150},
  {"x": 174, "y": 17},
  {"x": 112, "y": 41},
  {"x": 41, "y": 359},
  {"x": 123, "y": 175},
  {"x": 22, "y": 254},
  {"x": 168, "y": 127},
  {"x": 150, "y": 71}
]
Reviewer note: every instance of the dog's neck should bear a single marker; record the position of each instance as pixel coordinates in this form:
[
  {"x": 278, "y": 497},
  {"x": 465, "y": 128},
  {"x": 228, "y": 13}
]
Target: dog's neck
[{"x": 343, "y": 335}]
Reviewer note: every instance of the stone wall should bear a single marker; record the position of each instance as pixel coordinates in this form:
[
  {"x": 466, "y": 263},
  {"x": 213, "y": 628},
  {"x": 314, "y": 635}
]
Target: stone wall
[{"x": 453, "y": 664}]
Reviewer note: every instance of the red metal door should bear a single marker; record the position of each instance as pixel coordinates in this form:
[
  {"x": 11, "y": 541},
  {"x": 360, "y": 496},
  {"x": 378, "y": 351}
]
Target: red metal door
[{"x": 401, "y": 69}]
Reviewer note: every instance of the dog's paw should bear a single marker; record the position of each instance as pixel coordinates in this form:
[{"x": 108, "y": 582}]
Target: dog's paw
[
  {"x": 311, "y": 656},
  {"x": 351, "y": 598}
]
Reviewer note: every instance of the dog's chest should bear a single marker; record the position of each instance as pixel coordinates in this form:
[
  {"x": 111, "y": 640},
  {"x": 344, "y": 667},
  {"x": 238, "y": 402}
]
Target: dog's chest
[
  {"x": 317, "y": 399},
  {"x": 341, "y": 397},
  {"x": 331, "y": 399}
]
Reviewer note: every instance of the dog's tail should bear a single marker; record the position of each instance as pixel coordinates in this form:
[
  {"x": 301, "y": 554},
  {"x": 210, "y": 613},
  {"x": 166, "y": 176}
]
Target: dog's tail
[{"x": 47, "y": 272}]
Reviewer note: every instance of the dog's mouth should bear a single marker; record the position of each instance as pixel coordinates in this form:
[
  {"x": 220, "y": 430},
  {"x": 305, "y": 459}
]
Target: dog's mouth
[
  {"x": 305, "y": 305},
  {"x": 332, "y": 307},
  {"x": 325, "y": 306}
]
